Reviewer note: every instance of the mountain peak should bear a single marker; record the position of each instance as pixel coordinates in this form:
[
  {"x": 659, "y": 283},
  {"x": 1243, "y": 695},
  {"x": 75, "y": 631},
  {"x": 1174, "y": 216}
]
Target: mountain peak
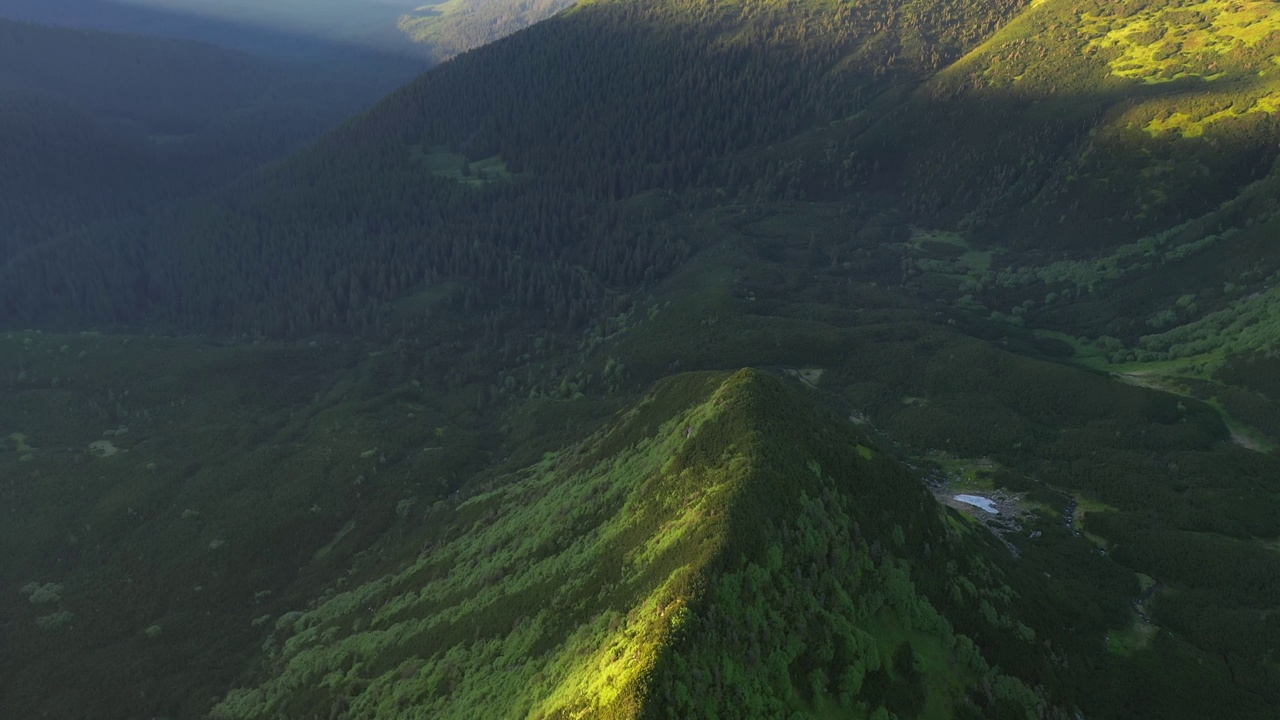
[{"x": 725, "y": 545}]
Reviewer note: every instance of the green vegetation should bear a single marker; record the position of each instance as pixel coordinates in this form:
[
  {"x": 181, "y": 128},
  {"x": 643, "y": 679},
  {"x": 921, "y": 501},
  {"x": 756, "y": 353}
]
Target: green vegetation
[
  {"x": 622, "y": 584},
  {"x": 445, "y": 415}
]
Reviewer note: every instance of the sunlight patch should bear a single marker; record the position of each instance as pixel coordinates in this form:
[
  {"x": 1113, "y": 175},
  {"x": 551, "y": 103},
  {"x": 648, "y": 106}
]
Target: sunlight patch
[
  {"x": 1171, "y": 43},
  {"x": 1191, "y": 126}
]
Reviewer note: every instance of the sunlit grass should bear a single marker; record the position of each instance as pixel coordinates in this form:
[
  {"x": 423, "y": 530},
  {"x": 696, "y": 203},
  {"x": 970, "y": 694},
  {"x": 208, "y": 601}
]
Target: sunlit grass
[
  {"x": 1172, "y": 41},
  {"x": 1210, "y": 41}
]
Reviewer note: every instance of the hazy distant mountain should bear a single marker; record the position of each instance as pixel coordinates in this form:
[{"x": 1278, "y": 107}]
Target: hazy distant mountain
[
  {"x": 294, "y": 28},
  {"x": 101, "y": 125},
  {"x": 124, "y": 17}
]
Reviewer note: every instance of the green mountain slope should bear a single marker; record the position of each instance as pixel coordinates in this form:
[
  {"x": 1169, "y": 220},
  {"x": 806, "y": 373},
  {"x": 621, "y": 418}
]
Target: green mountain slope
[
  {"x": 723, "y": 548},
  {"x": 1123, "y": 118}
]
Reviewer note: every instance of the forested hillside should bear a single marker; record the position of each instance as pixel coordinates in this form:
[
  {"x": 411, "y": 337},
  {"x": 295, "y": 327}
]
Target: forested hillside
[
  {"x": 1127, "y": 117},
  {"x": 673, "y": 90},
  {"x": 446, "y": 414}
]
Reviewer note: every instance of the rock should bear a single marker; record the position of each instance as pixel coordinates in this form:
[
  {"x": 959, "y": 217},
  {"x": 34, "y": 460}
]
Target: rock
[{"x": 103, "y": 448}]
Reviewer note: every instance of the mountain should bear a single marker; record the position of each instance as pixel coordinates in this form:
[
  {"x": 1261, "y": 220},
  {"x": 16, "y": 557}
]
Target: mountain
[
  {"x": 387, "y": 178},
  {"x": 103, "y": 126},
  {"x": 858, "y": 120},
  {"x": 723, "y": 547},
  {"x": 447, "y": 414}
]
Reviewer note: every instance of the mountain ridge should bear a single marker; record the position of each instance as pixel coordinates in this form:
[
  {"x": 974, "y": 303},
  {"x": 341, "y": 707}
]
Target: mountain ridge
[{"x": 716, "y": 496}]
